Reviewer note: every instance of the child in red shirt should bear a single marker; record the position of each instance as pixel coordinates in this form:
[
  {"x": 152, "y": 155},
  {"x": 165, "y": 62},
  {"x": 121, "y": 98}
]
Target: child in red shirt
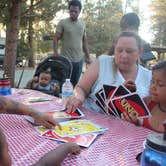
[{"x": 156, "y": 102}]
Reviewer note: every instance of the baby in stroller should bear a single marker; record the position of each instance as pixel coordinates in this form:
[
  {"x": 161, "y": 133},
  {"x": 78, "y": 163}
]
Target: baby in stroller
[
  {"x": 50, "y": 75},
  {"x": 45, "y": 83}
]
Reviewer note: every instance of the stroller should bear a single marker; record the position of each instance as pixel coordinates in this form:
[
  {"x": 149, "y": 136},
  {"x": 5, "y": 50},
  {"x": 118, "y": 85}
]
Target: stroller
[{"x": 60, "y": 69}]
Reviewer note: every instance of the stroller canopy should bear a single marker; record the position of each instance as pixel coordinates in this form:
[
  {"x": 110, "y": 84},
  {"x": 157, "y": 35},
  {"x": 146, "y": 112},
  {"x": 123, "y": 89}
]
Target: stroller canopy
[{"x": 59, "y": 66}]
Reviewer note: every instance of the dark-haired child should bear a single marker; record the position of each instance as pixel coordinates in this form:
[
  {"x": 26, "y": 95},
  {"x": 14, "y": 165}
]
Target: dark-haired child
[
  {"x": 45, "y": 84},
  {"x": 156, "y": 102}
]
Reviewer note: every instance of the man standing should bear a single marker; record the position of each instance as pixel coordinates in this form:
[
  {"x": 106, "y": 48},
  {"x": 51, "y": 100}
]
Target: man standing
[{"x": 71, "y": 32}]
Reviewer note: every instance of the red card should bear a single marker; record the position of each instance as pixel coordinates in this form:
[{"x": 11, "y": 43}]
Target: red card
[{"x": 131, "y": 103}]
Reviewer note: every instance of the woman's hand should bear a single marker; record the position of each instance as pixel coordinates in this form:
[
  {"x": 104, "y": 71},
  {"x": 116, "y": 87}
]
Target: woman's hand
[
  {"x": 72, "y": 104},
  {"x": 45, "y": 120}
]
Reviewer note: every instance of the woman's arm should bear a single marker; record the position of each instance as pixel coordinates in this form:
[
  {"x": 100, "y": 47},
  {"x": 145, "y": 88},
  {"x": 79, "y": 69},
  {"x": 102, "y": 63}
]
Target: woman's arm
[
  {"x": 83, "y": 87},
  {"x": 90, "y": 76}
]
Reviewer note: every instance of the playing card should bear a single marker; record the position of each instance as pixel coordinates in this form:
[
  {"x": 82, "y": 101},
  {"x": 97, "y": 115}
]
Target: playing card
[
  {"x": 100, "y": 100},
  {"x": 120, "y": 91},
  {"x": 84, "y": 140},
  {"x": 108, "y": 91},
  {"x": 112, "y": 110},
  {"x": 132, "y": 104},
  {"x": 100, "y": 106}
]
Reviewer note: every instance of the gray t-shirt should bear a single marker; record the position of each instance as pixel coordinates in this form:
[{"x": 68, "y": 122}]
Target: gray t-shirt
[{"x": 72, "y": 35}]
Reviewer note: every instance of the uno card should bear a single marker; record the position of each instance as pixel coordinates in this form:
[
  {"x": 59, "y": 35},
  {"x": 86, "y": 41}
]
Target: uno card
[
  {"x": 108, "y": 90},
  {"x": 100, "y": 106},
  {"x": 84, "y": 140},
  {"x": 77, "y": 127},
  {"x": 120, "y": 91},
  {"x": 112, "y": 109},
  {"x": 132, "y": 104},
  {"x": 100, "y": 100}
]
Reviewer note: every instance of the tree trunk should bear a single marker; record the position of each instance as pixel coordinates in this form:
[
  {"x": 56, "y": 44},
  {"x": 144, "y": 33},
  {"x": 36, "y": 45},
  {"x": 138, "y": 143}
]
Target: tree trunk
[
  {"x": 11, "y": 39},
  {"x": 30, "y": 36},
  {"x": 30, "y": 40}
]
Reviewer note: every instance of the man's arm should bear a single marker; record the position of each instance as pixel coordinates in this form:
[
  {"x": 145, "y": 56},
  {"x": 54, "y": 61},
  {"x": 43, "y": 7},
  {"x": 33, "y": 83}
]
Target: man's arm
[
  {"x": 12, "y": 107},
  {"x": 9, "y": 106},
  {"x": 55, "y": 43},
  {"x": 85, "y": 49}
]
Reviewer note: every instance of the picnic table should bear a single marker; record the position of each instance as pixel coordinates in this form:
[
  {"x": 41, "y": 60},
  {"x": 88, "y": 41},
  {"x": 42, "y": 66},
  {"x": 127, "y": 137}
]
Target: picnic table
[{"x": 118, "y": 146}]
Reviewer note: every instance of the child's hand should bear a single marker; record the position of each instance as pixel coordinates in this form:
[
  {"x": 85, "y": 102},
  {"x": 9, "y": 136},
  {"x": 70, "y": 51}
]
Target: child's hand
[
  {"x": 133, "y": 118},
  {"x": 34, "y": 83},
  {"x": 73, "y": 148},
  {"x": 35, "y": 79},
  {"x": 55, "y": 86},
  {"x": 129, "y": 84}
]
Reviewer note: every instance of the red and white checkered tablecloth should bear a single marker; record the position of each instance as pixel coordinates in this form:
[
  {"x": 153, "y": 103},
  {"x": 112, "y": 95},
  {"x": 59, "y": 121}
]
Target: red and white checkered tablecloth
[{"x": 116, "y": 147}]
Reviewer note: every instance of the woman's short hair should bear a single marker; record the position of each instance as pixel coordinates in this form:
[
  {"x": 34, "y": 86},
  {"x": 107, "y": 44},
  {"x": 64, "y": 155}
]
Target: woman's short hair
[{"x": 130, "y": 34}]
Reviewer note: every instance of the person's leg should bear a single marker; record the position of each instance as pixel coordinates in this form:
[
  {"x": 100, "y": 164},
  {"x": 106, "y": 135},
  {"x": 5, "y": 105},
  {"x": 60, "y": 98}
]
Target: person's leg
[{"x": 76, "y": 72}]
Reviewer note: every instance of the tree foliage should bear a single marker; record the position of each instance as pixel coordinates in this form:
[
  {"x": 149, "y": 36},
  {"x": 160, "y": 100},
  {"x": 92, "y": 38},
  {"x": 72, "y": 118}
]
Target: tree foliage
[
  {"x": 38, "y": 12},
  {"x": 32, "y": 19},
  {"x": 29, "y": 12},
  {"x": 102, "y": 23},
  {"x": 159, "y": 22},
  {"x": 132, "y": 5},
  {"x": 4, "y": 14}
]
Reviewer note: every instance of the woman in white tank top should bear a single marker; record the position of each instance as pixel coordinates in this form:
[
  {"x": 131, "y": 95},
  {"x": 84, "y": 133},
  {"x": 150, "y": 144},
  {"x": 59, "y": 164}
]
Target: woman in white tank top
[{"x": 113, "y": 70}]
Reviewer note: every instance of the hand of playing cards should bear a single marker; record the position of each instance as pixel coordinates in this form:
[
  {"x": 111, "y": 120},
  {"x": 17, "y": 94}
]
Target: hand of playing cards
[{"x": 116, "y": 100}]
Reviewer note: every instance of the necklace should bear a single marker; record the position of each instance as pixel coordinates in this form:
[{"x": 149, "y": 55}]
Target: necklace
[{"x": 161, "y": 109}]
